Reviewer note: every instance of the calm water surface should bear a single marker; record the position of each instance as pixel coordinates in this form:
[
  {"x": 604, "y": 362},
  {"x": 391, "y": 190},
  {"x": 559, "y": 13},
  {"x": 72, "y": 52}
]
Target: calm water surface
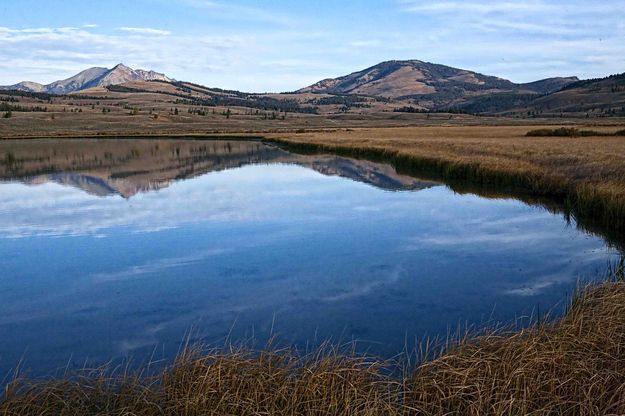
[{"x": 110, "y": 250}]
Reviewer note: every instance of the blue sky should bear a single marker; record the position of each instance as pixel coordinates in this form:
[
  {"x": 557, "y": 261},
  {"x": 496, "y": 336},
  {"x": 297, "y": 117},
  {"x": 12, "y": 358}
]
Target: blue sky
[{"x": 278, "y": 45}]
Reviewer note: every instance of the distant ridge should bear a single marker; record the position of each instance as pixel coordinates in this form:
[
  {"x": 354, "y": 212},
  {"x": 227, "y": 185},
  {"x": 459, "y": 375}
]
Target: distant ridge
[{"x": 89, "y": 78}]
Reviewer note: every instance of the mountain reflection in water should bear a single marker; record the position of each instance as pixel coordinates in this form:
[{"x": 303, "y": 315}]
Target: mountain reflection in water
[{"x": 126, "y": 167}]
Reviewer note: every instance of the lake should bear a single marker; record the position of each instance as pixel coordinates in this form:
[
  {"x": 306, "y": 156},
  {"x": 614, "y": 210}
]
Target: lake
[{"x": 122, "y": 248}]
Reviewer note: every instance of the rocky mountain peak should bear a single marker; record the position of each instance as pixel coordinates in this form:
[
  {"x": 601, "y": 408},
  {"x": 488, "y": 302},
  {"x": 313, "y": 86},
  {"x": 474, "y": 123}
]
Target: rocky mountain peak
[{"x": 91, "y": 77}]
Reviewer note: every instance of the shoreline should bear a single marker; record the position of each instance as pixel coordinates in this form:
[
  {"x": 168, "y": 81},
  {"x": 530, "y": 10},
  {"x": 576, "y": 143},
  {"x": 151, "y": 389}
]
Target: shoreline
[
  {"x": 596, "y": 211},
  {"x": 575, "y": 197}
]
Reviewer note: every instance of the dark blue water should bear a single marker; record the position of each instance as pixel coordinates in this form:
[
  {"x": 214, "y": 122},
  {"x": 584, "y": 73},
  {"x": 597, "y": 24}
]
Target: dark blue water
[{"x": 265, "y": 249}]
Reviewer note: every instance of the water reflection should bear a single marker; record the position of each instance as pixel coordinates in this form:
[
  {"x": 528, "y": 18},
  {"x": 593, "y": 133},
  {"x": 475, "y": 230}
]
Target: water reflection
[
  {"x": 254, "y": 240},
  {"x": 127, "y": 167}
]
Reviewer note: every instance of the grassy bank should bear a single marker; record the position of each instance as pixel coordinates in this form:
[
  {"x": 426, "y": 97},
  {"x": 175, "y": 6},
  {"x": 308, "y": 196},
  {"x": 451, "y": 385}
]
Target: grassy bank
[
  {"x": 575, "y": 366},
  {"x": 584, "y": 175}
]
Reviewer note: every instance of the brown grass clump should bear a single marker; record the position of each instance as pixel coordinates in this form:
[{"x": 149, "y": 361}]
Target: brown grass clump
[
  {"x": 220, "y": 383},
  {"x": 574, "y": 366},
  {"x": 278, "y": 383}
]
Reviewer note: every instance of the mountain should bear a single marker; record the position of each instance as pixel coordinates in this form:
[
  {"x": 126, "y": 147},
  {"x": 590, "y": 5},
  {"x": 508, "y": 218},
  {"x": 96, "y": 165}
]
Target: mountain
[
  {"x": 92, "y": 77},
  {"x": 434, "y": 86},
  {"x": 122, "y": 74},
  {"x": 406, "y": 78},
  {"x": 27, "y": 86},
  {"x": 77, "y": 82}
]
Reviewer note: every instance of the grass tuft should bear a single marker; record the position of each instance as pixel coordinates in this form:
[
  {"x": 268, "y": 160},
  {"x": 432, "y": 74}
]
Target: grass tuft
[{"x": 573, "y": 367}]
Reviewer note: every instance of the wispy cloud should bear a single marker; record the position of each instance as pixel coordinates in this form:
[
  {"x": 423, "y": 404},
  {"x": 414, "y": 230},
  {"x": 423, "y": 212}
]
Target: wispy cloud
[
  {"x": 145, "y": 31},
  {"x": 213, "y": 202},
  {"x": 528, "y": 7},
  {"x": 232, "y": 11},
  {"x": 280, "y": 61},
  {"x": 157, "y": 266},
  {"x": 474, "y": 7},
  {"x": 365, "y": 43}
]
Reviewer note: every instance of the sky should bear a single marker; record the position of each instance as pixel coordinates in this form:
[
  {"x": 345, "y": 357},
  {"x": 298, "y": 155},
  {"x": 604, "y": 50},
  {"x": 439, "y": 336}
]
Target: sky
[{"x": 280, "y": 45}]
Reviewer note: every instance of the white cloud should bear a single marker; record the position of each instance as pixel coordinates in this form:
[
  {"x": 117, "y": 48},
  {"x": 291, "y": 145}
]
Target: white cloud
[
  {"x": 210, "y": 198},
  {"x": 528, "y": 7},
  {"x": 157, "y": 266},
  {"x": 474, "y": 7},
  {"x": 365, "y": 43},
  {"x": 145, "y": 31},
  {"x": 231, "y": 11}
]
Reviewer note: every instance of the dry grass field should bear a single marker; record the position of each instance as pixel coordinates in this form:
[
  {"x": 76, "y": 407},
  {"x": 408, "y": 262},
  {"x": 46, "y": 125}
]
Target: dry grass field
[{"x": 119, "y": 122}]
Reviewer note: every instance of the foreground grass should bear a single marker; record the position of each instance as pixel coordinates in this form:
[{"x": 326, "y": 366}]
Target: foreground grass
[
  {"x": 585, "y": 175},
  {"x": 575, "y": 366}
]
